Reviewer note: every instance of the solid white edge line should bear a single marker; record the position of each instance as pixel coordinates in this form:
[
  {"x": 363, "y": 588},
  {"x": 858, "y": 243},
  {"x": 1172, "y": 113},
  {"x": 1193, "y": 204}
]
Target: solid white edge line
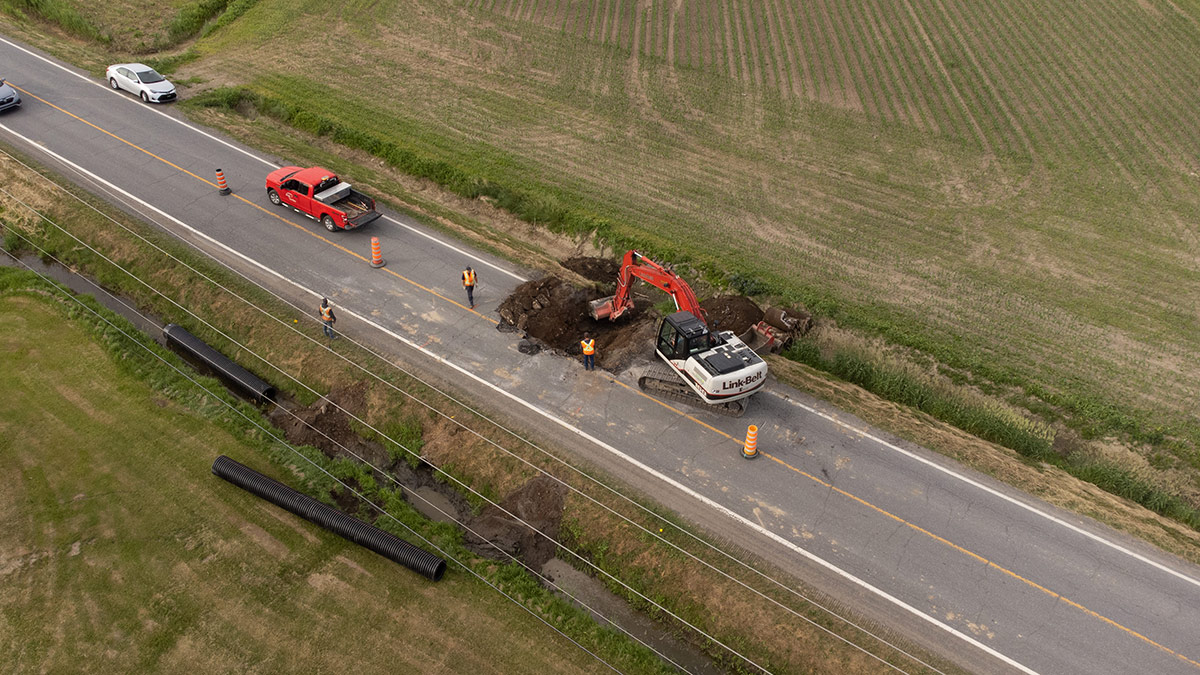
[
  {"x": 249, "y": 154},
  {"x": 456, "y": 249},
  {"x": 105, "y": 87},
  {"x": 995, "y": 493},
  {"x": 577, "y": 431}
]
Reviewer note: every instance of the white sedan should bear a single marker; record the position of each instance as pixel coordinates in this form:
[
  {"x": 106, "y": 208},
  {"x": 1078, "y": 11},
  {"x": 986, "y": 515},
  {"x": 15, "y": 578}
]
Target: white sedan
[{"x": 141, "y": 80}]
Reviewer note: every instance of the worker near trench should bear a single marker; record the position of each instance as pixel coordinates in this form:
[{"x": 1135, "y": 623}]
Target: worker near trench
[{"x": 588, "y": 345}]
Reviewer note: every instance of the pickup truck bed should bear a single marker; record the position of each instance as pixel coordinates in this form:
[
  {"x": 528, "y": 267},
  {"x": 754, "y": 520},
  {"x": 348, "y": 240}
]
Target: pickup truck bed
[{"x": 322, "y": 196}]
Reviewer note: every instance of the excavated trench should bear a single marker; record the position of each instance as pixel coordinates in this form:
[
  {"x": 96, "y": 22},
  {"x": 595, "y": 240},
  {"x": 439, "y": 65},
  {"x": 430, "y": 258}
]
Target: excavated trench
[{"x": 550, "y": 313}]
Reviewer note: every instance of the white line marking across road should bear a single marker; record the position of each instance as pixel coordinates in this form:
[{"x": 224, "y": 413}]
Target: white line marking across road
[
  {"x": 547, "y": 415},
  {"x": 85, "y": 78},
  {"x": 992, "y": 491}
]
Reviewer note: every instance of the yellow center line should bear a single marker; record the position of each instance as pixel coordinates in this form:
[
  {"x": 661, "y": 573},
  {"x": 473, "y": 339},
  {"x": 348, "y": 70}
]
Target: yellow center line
[
  {"x": 989, "y": 563},
  {"x": 257, "y": 206},
  {"x": 677, "y": 411}
]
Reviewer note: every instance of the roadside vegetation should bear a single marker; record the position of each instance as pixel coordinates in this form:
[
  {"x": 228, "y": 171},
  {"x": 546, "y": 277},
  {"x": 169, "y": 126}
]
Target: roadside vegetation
[
  {"x": 123, "y": 552},
  {"x": 395, "y": 404}
]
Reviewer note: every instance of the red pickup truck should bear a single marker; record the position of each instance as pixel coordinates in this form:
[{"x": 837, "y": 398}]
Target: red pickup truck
[{"x": 320, "y": 195}]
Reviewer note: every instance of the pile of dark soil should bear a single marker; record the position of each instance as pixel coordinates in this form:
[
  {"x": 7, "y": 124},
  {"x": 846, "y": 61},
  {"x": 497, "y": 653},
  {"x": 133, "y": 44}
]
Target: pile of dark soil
[
  {"x": 736, "y": 313},
  {"x": 602, "y": 270},
  {"x": 538, "y": 502},
  {"x": 555, "y": 314},
  {"x": 330, "y": 431}
]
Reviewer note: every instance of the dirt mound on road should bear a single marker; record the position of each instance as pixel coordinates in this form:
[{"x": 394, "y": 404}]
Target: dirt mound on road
[
  {"x": 602, "y": 270},
  {"x": 732, "y": 312},
  {"x": 555, "y": 314}
]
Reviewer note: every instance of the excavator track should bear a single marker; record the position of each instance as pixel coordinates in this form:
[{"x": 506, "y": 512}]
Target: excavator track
[{"x": 661, "y": 380}]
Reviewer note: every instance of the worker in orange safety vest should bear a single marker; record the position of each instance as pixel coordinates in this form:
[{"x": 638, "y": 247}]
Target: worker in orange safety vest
[
  {"x": 468, "y": 277},
  {"x": 588, "y": 344},
  {"x": 328, "y": 318}
]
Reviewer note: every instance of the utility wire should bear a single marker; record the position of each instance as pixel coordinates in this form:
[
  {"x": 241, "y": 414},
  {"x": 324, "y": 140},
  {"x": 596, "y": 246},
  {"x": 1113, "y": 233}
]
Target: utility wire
[
  {"x": 408, "y": 490},
  {"x": 382, "y": 472},
  {"x": 786, "y": 588},
  {"x": 301, "y": 455}
]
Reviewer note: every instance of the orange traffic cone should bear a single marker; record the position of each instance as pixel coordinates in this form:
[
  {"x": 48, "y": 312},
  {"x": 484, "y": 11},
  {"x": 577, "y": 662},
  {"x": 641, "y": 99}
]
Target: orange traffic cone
[
  {"x": 222, "y": 186},
  {"x": 376, "y": 254},
  {"x": 750, "y": 448}
]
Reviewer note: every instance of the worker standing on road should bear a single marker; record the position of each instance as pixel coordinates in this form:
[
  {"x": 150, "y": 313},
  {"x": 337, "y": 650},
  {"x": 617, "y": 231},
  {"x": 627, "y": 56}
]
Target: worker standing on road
[
  {"x": 328, "y": 318},
  {"x": 588, "y": 343},
  {"x": 469, "y": 284}
]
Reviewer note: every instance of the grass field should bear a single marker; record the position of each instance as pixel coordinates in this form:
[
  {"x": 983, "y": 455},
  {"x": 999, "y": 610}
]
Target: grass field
[
  {"x": 120, "y": 552},
  {"x": 1010, "y": 189}
]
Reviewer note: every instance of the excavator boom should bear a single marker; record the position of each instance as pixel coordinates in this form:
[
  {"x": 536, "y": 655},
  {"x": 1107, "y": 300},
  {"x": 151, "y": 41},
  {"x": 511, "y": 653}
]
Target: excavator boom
[{"x": 637, "y": 266}]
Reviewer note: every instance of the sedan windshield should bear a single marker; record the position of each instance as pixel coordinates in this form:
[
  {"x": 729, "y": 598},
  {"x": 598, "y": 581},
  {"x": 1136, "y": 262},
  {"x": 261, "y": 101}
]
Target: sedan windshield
[{"x": 150, "y": 77}]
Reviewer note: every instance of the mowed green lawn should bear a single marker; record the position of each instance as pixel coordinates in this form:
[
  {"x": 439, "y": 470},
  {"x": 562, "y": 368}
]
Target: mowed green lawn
[{"x": 120, "y": 552}]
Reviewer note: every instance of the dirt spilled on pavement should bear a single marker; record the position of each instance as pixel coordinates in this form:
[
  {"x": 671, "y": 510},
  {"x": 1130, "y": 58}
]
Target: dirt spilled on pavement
[{"x": 552, "y": 314}]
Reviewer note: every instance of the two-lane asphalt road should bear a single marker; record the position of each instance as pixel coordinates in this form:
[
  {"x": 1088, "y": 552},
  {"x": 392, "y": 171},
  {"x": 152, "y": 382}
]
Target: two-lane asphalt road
[{"x": 991, "y": 578}]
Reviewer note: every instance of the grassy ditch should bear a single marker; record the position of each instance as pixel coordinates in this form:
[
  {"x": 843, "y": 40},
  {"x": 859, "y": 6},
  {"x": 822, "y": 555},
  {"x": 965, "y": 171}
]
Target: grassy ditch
[
  {"x": 954, "y": 204},
  {"x": 649, "y": 566},
  {"x": 123, "y": 552}
]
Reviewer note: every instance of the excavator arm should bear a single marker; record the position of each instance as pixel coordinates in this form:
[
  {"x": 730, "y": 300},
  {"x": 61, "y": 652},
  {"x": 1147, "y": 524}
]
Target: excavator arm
[{"x": 636, "y": 266}]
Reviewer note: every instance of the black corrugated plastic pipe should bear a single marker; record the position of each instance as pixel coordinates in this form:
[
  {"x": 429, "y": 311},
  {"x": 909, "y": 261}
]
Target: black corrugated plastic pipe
[
  {"x": 245, "y": 380},
  {"x": 368, "y": 536}
]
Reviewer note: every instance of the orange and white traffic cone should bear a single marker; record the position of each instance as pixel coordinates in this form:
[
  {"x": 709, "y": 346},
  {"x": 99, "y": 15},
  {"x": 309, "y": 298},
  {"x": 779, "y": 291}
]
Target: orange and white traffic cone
[
  {"x": 750, "y": 447},
  {"x": 222, "y": 186},
  {"x": 376, "y": 254}
]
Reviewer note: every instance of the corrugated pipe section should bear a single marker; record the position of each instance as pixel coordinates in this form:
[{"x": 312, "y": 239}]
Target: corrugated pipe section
[
  {"x": 368, "y": 536},
  {"x": 249, "y": 383}
]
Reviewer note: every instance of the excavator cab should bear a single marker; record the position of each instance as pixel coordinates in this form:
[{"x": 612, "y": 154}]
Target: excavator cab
[{"x": 682, "y": 335}]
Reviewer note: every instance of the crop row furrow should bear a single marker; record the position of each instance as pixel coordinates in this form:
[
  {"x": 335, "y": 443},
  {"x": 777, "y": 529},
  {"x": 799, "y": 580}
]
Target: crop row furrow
[
  {"x": 972, "y": 41},
  {"x": 736, "y": 66},
  {"x": 899, "y": 63},
  {"x": 760, "y": 54},
  {"x": 1112, "y": 119},
  {"x": 1066, "y": 81},
  {"x": 847, "y": 78},
  {"x": 948, "y": 35},
  {"x": 882, "y": 77},
  {"x": 808, "y": 50},
  {"x": 877, "y": 105},
  {"x": 923, "y": 78},
  {"x": 961, "y": 103},
  {"x": 789, "y": 76},
  {"x": 1164, "y": 79}
]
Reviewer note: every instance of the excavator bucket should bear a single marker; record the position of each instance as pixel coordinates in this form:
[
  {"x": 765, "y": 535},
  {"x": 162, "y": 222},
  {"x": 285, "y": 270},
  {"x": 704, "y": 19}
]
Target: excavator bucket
[
  {"x": 764, "y": 338},
  {"x": 602, "y": 308},
  {"x": 606, "y": 308},
  {"x": 788, "y": 321}
]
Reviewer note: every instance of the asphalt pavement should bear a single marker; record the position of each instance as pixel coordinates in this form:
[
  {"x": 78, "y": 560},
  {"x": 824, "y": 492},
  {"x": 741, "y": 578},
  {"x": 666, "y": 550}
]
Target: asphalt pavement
[{"x": 992, "y": 578}]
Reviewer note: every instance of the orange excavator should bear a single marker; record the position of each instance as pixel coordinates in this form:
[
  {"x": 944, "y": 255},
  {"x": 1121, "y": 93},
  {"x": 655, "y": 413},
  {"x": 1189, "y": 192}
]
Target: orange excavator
[{"x": 699, "y": 366}]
